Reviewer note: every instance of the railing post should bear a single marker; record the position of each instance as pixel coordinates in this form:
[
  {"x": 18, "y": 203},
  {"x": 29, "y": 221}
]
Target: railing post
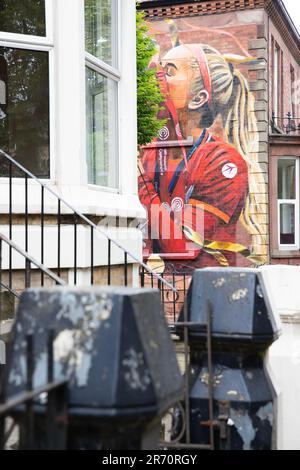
[
  {"x": 0, "y": 282},
  {"x": 289, "y": 124},
  {"x": 210, "y": 376},
  {"x": 109, "y": 263},
  {"x": 29, "y": 416},
  {"x": 2, "y": 432},
  {"x": 75, "y": 247},
  {"x": 142, "y": 276},
  {"x": 57, "y": 407},
  {"x": 42, "y": 232},
  {"x": 10, "y": 225},
  {"x": 58, "y": 235},
  {"x": 27, "y": 274},
  {"x": 92, "y": 256},
  {"x": 125, "y": 269},
  {"x": 273, "y": 122},
  {"x": 26, "y": 213}
]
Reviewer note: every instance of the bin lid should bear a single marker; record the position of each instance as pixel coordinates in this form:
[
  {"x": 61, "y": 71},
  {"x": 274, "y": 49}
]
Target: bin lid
[
  {"x": 238, "y": 299},
  {"x": 111, "y": 344}
]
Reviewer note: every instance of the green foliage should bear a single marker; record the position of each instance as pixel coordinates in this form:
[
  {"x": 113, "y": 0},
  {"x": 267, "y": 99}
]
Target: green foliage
[{"x": 149, "y": 97}]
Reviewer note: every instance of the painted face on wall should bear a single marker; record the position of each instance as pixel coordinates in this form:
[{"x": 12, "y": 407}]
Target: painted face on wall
[
  {"x": 179, "y": 75},
  {"x": 181, "y": 69}
]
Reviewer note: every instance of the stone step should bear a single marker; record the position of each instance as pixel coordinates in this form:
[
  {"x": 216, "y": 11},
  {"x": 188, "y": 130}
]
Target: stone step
[{"x": 7, "y": 306}]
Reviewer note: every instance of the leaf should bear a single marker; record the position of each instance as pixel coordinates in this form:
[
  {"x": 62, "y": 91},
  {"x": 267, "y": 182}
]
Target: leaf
[
  {"x": 149, "y": 96},
  {"x": 256, "y": 260},
  {"x": 192, "y": 235},
  {"x": 219, "y": 257}
]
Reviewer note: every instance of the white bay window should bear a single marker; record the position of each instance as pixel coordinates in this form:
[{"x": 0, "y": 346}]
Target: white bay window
[
  {"x": 68, "y": 102},
  {"x": 102, "y": 77}
]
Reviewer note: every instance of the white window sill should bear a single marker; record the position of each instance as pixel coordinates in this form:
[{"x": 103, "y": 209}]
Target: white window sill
[
  {"x": 286, "y": 253},
  {"x": 85, "y": 199}
]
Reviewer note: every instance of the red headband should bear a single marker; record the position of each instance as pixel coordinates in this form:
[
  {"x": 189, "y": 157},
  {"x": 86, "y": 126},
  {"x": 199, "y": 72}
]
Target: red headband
[
  {"x": 204, "y": 71},
  {"x": 203, "y": 67}
]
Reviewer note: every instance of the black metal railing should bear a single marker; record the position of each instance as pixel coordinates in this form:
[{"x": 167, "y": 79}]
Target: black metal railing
[
  {"x": 13, "y": 282},
  {"x": 29, "y": 264},
  {"x": 172, "y": 301},
  {"x": 178, "y": 436},
  {"x": 65, "y": 222},
  {"x": 287, "y": 125},
  {"x": 54, "y": 393}
]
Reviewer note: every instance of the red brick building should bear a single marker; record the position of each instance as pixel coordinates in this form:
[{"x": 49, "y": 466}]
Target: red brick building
[{"x": 260, "y": 44}]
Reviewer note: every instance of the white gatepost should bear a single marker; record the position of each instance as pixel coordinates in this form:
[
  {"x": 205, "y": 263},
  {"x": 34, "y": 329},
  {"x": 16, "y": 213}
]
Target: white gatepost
[{"x": 283, "y": 361}]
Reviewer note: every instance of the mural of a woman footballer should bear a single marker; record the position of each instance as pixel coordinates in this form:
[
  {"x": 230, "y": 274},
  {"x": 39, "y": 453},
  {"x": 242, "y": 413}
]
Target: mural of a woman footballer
[{"x": 201, "y": 199}]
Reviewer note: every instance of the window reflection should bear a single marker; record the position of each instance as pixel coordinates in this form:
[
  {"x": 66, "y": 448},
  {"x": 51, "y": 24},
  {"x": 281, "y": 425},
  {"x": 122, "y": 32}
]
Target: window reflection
[
  {"x": 24, "y": 109},
  {"x": 286, "y": 178},
  {"x": 100, "y": 29},
  {"x": 23, "y": 17},
  {"x": 101, "y": 129}
]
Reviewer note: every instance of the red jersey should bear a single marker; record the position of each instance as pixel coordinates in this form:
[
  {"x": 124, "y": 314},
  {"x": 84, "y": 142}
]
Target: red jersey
[{"x": 206, "y": 196}]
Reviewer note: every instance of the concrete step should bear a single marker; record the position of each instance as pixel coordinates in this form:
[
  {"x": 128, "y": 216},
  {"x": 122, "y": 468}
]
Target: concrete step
[{"x": 7, "y": 306}]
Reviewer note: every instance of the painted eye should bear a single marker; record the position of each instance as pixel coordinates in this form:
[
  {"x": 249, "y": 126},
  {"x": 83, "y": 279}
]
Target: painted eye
[{"x": 170, "y": 70}]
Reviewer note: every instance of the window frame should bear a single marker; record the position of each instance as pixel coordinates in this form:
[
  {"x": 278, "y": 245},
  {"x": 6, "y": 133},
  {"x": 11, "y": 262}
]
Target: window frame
[
  {"x": 114, "y": 74},
  {"x": 295, "y": 202},
  {"x": 40, "y": 44},
  {"x": 46, "y": 40}
]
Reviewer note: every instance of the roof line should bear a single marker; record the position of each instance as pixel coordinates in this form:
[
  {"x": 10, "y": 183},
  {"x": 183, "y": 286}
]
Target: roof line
[
  {"x": 287, "y": 17},
  {"x": 144, "y": 4}
]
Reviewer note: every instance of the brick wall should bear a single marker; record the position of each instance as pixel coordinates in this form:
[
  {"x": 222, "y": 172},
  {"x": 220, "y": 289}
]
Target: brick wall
[
  {"x": 234, "y": 32},
  {"x": 202, "y": 8},
  {"x": 288, "y": 61}
]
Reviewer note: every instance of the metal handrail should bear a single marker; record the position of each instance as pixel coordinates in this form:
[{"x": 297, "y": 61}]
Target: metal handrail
[
  {"x": 88, "y": 221},
  {"x": 25, "y": 397},
  {"x": 29, "y": 258},
  {"x": 11, "y": 291},
  {"x": 285, "y": 124},
  {"x": 56, "y": 405}
]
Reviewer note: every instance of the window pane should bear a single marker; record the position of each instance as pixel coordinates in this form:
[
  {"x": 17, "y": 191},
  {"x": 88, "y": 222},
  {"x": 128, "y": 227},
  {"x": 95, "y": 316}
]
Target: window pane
[
  {"x": 287, "y": 224},
  {"x": 286, "y": 179},
  {"x": 102, "y": 129},
  {"x": 23, "y": 17},
  {"x": 24, "y": 109},
  {"x": 100, "y": 24}
]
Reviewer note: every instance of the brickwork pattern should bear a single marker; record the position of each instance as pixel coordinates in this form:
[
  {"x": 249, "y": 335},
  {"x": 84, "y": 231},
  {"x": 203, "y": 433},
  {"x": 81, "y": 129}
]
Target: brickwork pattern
[{"x": 203, "y": 8}]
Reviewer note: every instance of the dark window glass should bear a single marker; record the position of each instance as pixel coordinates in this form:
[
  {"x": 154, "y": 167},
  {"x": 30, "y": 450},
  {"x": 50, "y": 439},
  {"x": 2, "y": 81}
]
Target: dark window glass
[
  {"x": 287, "y": 224},
  {"x": 287, "y": 178},
  {"x": 23, "y": 17},
  {"x": 24, "y": 109}
]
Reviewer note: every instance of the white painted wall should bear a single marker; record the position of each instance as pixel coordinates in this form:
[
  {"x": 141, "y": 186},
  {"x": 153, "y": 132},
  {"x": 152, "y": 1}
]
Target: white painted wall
[
  {"x": 128, "y": 238},
  {"x": 283, "y": 359}
]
